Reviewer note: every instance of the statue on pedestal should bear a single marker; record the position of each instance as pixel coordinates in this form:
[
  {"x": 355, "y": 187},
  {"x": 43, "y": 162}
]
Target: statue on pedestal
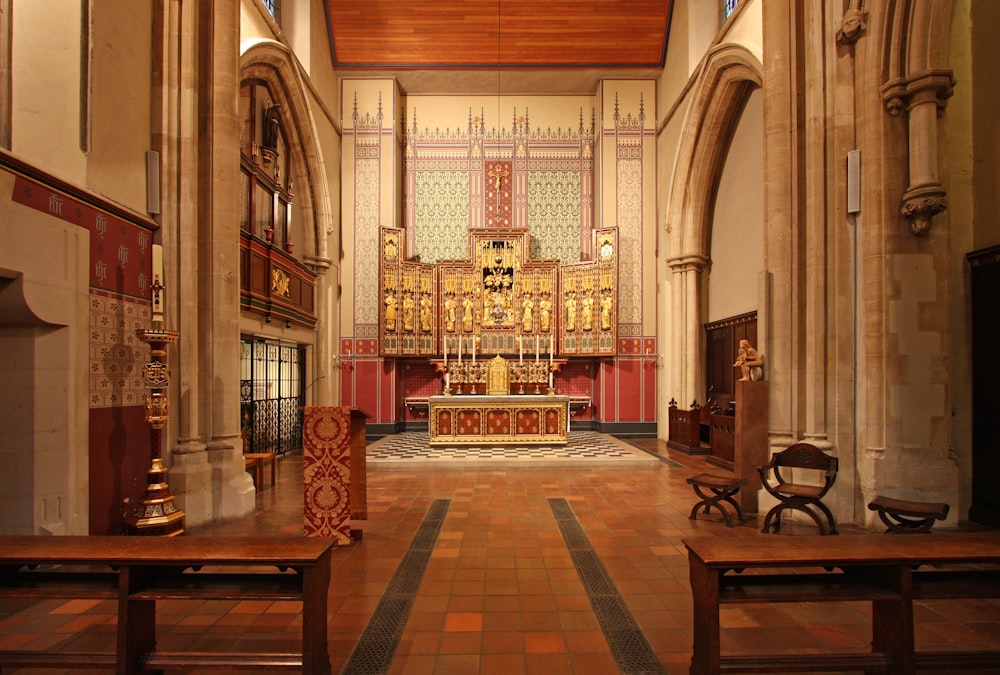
[{"x": 749, "y": 362}]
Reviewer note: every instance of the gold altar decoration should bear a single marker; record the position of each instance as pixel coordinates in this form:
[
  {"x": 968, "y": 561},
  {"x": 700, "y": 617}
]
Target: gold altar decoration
[
  {"x": 497, "y": 301},
  {"x": 479, "y": 420}
]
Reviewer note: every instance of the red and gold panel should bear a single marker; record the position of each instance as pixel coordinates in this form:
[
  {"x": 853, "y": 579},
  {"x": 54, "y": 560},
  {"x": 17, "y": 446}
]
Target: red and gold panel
[
  {"x": 552, "y": 421},
  {"x": 527, "y": 422},
  {"x": 525, "y": 419},
  {"x": 498, "y": 422},
  {"x": 326, "y": 454},
  {"x": 469, "y": 422}
]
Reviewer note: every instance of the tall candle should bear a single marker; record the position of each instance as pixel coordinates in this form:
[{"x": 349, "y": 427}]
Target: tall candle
[
  {"x": 459, "y": 349},
  {"x": 445, "y": 347},
  {"x": 520, "y": 349},
  {"x": 473, "y": 350},
  {"x": 536, "y": 349},
  {"x": 157, "y": 298}
]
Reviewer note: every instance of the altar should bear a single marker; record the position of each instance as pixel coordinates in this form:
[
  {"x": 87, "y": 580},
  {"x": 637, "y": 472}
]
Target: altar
[{"x": 524, "y": 419}]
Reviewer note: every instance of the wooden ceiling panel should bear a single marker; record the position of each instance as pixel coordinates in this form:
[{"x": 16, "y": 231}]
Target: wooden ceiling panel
[{"x": 470, "y": 34}]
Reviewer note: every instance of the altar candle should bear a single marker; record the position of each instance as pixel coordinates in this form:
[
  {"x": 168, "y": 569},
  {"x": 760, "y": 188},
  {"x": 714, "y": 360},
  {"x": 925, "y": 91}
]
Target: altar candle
[
  {"x": 473, "y": 350},
  {"x": 536, "y": 349},
  {"x": 520, "y": 349},
  {"x": 459, "y": 349},
  {"x": 157, "y": 281},
  {"x": 552, "y": 347},
  {"x": 445, "y": 340}
]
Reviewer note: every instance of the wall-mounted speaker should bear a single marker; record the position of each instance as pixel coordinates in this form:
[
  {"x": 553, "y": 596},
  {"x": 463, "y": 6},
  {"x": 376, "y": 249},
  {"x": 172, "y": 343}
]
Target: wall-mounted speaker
[
  {"x": 854, "y": 181},
  {"x": 152, "y": 181}
]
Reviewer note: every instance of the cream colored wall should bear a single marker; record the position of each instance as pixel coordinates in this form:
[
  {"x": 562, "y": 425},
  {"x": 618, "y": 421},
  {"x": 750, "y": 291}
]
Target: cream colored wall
[
  {"x": 737, "y": 248},
  {"x": 121, "y": 104},
  {"x": 45, "y": 102},
  {"x": 44, "y": 363},
  {"x": 452, "y": 111}
]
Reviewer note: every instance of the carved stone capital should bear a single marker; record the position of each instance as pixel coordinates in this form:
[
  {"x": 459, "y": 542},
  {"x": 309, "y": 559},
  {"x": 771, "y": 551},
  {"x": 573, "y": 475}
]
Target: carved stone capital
[
  {"x": 686, "y": 263},
  {"x": 921, "y": 204},
  {"x": 935, "y": 86}
]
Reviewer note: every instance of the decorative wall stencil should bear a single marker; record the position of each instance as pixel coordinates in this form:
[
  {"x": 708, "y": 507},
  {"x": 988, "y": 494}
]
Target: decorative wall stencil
[
  {"x": 499, "y": 194},
  {"x": 116, "y": 354},
  {"x": 366, "y": 234},
  {"x": 554, "y": 215},
  {"x": 326, "y": 454},
  {"x": 630, "y": 238},
  {"x": 442, "y": 215}
]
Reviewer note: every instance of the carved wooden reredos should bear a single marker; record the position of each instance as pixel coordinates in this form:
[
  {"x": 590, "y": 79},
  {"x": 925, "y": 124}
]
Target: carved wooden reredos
[{"x": 498, "y": 301}]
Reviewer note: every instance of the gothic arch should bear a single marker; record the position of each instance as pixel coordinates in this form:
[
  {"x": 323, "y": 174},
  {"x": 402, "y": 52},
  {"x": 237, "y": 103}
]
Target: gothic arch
[
  {"x": 729, "y": 74},
  {"x": 273, "y": 63}
]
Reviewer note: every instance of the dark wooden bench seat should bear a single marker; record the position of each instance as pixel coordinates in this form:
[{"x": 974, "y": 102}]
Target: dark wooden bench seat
[
  {"x": 139, "y": 571},
  {"x": 889, "y": 572},
  {"x": 907, "y": 517}
]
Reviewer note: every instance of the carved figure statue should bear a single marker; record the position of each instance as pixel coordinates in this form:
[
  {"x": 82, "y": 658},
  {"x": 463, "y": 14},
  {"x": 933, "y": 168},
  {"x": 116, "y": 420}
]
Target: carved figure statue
[
  {"x": 851, "y": 26},
  {"x": 467, "y": 314},
  {"x": 527, "y": 314},
  {"x": 426, "y": 314},
  {"x": 749, "y": 362},
  {"x": 606, "y": 304},
  {"x": 571, "y": 311},
  {"x": 450, "y": 313},
  {"x": 545, "y": 313},
  {"x": 390, "y": 311},
  {"x": 587, "y": 312},
  {"x": 408, "y": 306}
]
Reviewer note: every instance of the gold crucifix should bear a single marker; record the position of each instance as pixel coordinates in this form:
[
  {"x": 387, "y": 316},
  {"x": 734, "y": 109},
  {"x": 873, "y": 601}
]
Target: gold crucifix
[{"x": 497, "y": 174}]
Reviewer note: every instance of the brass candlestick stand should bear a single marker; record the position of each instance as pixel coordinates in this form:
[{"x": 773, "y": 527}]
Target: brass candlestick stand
[{"x": 155, "y": 514}]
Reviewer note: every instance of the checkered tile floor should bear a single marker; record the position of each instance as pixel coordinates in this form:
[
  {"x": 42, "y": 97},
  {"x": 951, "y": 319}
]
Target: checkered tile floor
[{"x": 583, "y": 448}]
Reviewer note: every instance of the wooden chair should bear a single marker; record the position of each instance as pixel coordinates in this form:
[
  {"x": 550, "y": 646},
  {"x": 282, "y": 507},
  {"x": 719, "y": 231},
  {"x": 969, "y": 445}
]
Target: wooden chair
[{"x": 799, "y": 496}]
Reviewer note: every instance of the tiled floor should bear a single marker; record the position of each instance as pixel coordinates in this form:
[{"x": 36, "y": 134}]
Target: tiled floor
[{"x": 500, "y": 592}]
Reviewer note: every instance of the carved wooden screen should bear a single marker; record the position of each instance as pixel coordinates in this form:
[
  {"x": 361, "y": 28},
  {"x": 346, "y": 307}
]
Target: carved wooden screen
[
  {"x": 407, "y": 313},
  {"x": 590, "y": 302},
  {"x": 722, "y": 339}
]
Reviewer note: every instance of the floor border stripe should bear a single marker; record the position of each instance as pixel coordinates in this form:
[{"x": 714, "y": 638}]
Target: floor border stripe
[
  {"x": 377, "y": 644},
  {"x": 629, "y": 646}
]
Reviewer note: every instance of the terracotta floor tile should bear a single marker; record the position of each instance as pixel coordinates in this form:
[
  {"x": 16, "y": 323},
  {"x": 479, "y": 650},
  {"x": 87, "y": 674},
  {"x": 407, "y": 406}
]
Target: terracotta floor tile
[{"x": 463, "y": 622}]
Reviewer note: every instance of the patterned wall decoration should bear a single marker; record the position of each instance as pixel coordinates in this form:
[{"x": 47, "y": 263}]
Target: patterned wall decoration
[
  {"x": 442, "y": 215},
  {"x": 366, "y": 232},
  {"x": 554, "y": 215},
  {"x": 116, "y": 354},
  {"x": 326, "y": 465},
  {"x": 628, "y": 132}
]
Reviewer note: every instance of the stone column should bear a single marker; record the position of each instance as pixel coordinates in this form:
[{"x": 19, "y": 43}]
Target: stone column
[
  {"x": 233, "y": 493},
  {"x": 175, "y": 83},
  {"x": 686, "y": 300},
  {"x": 781, "y": 214}
]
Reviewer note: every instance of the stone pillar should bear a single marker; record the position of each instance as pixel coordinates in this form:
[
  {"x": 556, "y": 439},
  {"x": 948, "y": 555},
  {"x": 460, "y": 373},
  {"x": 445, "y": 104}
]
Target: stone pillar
[
  {"x": 781, "y": 211},
  {"x": 233, "y": 493},
  {"x": 686, "y": 291}
]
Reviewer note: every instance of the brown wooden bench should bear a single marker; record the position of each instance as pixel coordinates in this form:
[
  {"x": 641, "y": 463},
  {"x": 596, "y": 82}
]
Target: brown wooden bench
[
  {"x": 258, "y": 462},
  {"x": 882, "y": 570},
  {"x": 906, "y": 517},
  {"x": 138, "y": 571}
]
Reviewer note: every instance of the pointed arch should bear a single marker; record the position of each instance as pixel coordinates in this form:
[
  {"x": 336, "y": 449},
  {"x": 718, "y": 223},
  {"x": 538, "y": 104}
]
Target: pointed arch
[
  {"x": 729, "y": 73},
  {"x": 273, "y": 63}
]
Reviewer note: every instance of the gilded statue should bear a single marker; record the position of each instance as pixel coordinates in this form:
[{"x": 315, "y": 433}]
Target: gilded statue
[
  {"x": 749, "y": 362},
  {"x": 587, "y": 311},
  {"x": 408, "y": 306},
  {"x": 450, "y": 313},
  {"x": 527, "y": 314},
  {"x": 571, "y": 311},
  {"x": 606, "y": 306},
  {"x": 390, "y": 310},
  {"x": 467, "y": 314},
  {"x": 426, "y": 313},
  {"x": 545, "y": 313}
]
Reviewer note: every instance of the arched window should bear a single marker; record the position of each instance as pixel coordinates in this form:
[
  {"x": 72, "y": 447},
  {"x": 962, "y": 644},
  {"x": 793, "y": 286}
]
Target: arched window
[{"x": 265, "y": 182}]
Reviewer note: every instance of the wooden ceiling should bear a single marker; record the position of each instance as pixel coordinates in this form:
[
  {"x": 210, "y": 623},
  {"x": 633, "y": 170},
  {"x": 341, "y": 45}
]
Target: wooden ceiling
[{"x": 468, "y": 35}]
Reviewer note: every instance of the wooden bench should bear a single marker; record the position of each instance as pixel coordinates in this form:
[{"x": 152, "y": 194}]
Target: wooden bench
[
  {"x": 258, "y": 461},
  {"x": 906, "y": 517},
  {"x": 882, "y": 570},
  {"x": 138, "y": 571}
]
